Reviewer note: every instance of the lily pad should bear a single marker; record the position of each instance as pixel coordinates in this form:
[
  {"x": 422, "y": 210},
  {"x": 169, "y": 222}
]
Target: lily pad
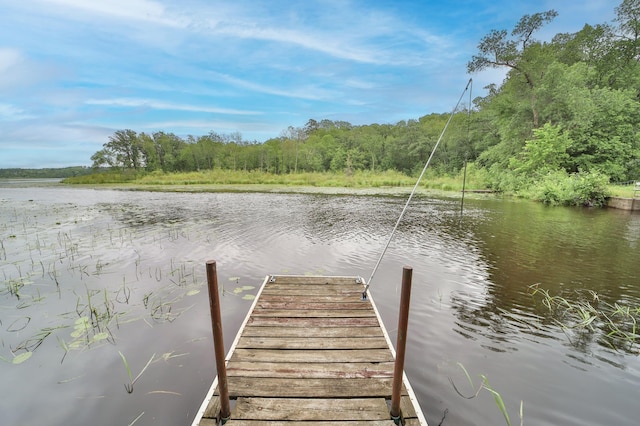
[{"x": 239, "y": 290}]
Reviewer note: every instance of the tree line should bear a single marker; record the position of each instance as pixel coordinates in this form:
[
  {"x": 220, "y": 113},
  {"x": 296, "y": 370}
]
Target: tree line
[
  {"x": 567, "y": 106},
  {"x": 319, "y": 146},
  {"x": 63, "y": 172}
]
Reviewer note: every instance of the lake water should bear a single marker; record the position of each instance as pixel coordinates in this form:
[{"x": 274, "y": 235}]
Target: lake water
[{"x": 93, "y": 281}]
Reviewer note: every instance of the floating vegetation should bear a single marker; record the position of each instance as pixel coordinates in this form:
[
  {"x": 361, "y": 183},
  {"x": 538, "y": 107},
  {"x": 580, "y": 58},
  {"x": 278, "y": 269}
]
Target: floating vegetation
[
  {"x": 242, "y": 289},
  {"x": 18, "y": 359},
  {"x": 77, "y": 264},
  {"x": 97, "y": 289},
  {"x": 62, "y": 382},
  {"x": 170, "y": 355}
]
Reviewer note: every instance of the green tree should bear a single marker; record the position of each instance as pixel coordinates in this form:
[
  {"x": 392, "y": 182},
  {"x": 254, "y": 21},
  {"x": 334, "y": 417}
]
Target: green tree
[
  {"x": 547, "y": 151},
  {"x": 124, "y": 150},
  {"x": 497, "y": 50}
]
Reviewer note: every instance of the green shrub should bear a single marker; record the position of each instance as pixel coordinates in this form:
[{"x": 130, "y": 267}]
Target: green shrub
[{"x": 577, "y": 189}]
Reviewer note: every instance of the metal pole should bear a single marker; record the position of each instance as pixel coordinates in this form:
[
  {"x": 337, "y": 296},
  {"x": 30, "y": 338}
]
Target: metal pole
[
  {"x": 218, "y": 344},
  {"x": 403, "y": 322},
  {"x": 464, "y": 184}
]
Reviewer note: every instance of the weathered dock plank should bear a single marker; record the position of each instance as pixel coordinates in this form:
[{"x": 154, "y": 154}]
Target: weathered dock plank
[
  {"x": 353, "y": 297},
  {"x": 314, "y": 313},
  {"x": 313, "y": 322},
  {"x": 310, "y": 409},
  {"x": 313, "y": 305},
  {"x": 311, "y": 352},
  {"x": 311, "y": 388},
  {"x": 312, "y": 355},
  {"x": 306, "y": 423},
  {"x": 317, "y": 332},
  {"x": 247, "y": 342},
  {"x": 310, "y": 370}
]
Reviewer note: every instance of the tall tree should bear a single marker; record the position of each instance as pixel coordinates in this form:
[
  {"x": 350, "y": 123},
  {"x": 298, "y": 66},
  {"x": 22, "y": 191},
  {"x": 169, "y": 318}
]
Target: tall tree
[{"x": 497, "y": 50}]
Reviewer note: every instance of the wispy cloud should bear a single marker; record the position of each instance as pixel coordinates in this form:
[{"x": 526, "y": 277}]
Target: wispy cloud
[
  {"x": 134, "y": 10},
  {"x": 10, "y": 112},
  {"x": 338, "y": 48},
  {"x": 204, "y": 126},
  {"x": 308, "y": 91},
  {"x": 154, "y": 104},
  {"x": 9, "y": 58}
]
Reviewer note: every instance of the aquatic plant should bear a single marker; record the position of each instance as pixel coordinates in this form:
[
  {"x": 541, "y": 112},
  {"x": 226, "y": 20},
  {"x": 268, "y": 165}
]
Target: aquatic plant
[
  {"x": 132, "y": 380},
  {"x": 18, "y": 359},
  {"x": 496, "y": 396},
  {"x": 617, "y": 325},
  {"x": 136, "y": 419}
]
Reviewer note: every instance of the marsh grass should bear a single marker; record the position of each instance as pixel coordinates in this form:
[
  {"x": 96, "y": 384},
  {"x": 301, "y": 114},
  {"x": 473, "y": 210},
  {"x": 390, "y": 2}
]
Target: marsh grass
[
  {"x": 484, "y": 385},
  {"x": 132, "y": 380},
  {"x": 355, "y": 179},
  {"x": 78, "y": 264},
  {"x": 615, "y": 325},
  {"x": 133, "y": 422},
  {"x": 624, "y": 191},
  {"x": 476, "y": 179}
]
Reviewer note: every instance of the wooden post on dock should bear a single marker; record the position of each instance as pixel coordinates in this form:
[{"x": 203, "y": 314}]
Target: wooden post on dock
[
  {"x": 218, "y": 344},
  {"x": 403, "y": 322}
]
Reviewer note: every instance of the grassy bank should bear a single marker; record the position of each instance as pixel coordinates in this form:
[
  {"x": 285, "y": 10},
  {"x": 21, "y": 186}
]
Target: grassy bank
[
  {"x": 559, "y": 189},
  {"x": 251, "y": 179},
  {"x": 625, "y": 191}
]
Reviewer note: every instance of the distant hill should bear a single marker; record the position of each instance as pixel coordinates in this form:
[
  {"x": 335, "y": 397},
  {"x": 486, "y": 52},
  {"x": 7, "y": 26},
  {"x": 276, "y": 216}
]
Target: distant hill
[{"x": 63, "y": 172}]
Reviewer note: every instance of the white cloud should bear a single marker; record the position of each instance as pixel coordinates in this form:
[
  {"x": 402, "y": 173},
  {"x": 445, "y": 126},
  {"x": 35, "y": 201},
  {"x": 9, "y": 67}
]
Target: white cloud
[
  {"x": 10, "y": 112},
  {"x": 342, "y": 30},
  {"x": 308, "y": 92},
  {"x": 9, "y": 58},
  {"x": 330, "y": 45},
  {"x": 136, "y": 10},
  {"x": 150, "y": 103},
  {"x": 218, "y": 126}
]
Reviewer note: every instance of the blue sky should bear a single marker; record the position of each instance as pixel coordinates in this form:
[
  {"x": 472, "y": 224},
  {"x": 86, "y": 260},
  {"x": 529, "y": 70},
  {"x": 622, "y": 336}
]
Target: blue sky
[{"x": 74, "y": 71}]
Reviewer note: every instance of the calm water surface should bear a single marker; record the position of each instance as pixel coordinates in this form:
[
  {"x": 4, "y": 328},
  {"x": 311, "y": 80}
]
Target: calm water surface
[{"x": 91, "y": 278}]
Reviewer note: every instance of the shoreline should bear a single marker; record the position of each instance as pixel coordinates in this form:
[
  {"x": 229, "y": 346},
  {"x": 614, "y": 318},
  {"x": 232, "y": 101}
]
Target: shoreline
[{"x": 390, "y": 191}]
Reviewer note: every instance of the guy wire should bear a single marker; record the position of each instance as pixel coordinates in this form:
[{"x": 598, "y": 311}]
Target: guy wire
[
  {"x": 415, "y": 187},
  {"x": 466, "y": 152}
]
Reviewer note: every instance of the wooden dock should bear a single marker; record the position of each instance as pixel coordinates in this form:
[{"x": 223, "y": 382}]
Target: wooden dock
[{"x": 311, "y": 352}]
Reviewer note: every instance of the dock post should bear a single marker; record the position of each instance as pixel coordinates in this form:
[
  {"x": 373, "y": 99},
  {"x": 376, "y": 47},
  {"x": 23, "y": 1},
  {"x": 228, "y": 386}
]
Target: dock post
[
  {"x": 403, "y": 322},
  {"x": 218, "y": 344}
]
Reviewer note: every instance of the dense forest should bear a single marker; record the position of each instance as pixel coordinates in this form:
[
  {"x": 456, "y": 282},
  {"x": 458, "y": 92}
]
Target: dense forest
[{"x": 568, "y": 110}]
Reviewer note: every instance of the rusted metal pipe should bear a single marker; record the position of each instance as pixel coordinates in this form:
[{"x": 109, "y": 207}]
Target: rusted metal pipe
[
  {"x": 218, "y": 344},
  {"x": 403, "y": 322}
]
